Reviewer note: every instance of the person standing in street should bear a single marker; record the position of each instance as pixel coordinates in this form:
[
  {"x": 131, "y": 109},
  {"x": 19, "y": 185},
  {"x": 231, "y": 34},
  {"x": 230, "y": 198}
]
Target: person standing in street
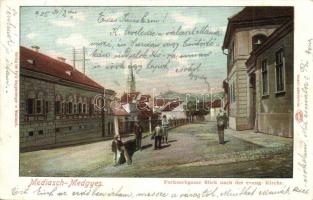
[
  {"x": 157, "y": 137},
  {"x": 165, "y": 124},
  {"x": 119, "y": 150},
  {"x": 225, "y": 119},
  {"x": 220, "y": 126},
  {"x": 138, "y": 133}
]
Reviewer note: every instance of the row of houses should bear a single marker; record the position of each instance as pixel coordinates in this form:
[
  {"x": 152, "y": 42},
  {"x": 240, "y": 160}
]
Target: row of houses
[
  {"x": 259, "y": 83},
  {"x": 59, "y": 105}
]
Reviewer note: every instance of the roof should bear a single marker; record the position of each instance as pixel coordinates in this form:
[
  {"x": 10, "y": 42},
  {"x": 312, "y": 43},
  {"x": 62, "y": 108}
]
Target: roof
[
  {"x": 120, "y": 111},
  {"x": 142, "y": 114},
  {"x": 215, "y": 104},
  {"x": 38, "y": 62},
  {"x": 129, "y": 97},
  {"x": 256, "y": 16},
  {"x": 171, "y": 105},
  {"x": 261, "y": 13},
  {"x": 272, "y": 39},
  {"x": 145, "y": 98},
  {"x": 159, "y": 102}
]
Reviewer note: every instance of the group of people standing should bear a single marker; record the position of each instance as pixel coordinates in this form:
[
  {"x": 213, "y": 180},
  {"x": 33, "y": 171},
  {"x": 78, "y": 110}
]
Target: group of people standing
[
  {"x": 119, "y": 149},
  {"x": 160, "y": 136},
  {"x": 161, "y": 133}
]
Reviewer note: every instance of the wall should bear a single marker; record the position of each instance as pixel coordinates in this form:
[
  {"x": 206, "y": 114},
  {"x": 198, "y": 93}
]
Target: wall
[
  {"x": 239, "y": 109},
  {"x": 274, "y": 111},
  {"x": 46, "y": 130}
]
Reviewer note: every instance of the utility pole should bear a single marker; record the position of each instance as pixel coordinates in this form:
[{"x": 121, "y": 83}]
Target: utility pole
[
  {"x": 74, "y": 58},
  {"x": 82, "y": 54},
  {"x": 84, "y": 60}
]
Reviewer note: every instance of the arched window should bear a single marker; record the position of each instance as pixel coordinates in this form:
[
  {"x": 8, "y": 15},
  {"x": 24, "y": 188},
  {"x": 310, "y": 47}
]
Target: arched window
[
  {"x": 40, "y": 103},
  {"x": 80, "y": 105},
  {"x": 57, "y": 104},
  {"x": 84, "y": 105},
  {"x": 30, "y": 103},
  {"x": 258, "y": 40},
  {"x": 70, "y": 105},
  {"x": 75, "y": 110}
]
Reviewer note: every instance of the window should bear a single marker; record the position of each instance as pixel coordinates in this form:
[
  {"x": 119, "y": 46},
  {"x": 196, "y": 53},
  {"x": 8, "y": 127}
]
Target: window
[
  {"x": 30, "y": 133},
  {"x": 66, "y": 108},
  {"x": 280, "y": 71},
  {"x": 264, "y": 71},
  {"x": 91, "y": 108},
  {"x": 46, "y": 107},
  {"x": 79, "y": 108},
  {"x": 84, "y": 108},
  {"x": 57, "y": 130},
  {"x": 39, "y": 106},
  {"x": 233, "y": 92},
  {"x": 30, "y": 106},
  {"x": 57, "y": 107},
  {"x": 70, "y": 107},
  {"x": 258, "y": 40},
  {"x": 40, "y": 132},
  {"x": 75, "y": 108},
  {"x": 63, "y": 108}
]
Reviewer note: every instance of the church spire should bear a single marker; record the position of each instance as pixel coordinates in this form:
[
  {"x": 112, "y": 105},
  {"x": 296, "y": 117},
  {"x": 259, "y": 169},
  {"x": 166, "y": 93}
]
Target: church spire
[{"x": 131, "y": 84}]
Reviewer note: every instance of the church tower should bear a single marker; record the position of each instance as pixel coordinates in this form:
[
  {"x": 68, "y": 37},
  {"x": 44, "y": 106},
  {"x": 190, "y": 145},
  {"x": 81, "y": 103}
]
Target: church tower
[{"x": 131, "y": 84}]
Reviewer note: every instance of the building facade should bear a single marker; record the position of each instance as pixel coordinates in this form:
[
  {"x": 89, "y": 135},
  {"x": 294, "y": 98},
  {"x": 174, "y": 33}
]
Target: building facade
[
  {"x": 57, "y": 103},
  {"x": 270, "y": 70},
  {"x": 246, "y": 31},
  {"x": 110, "y": 99}
]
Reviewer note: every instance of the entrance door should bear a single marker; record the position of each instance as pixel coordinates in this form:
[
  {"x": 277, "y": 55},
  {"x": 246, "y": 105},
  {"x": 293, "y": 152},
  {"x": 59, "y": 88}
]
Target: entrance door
[{"x": 252, "y": 92}]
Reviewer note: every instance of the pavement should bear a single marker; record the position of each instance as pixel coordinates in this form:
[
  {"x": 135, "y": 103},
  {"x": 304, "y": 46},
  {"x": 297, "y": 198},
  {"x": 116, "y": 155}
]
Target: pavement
[{"x": 192, "y": 151}]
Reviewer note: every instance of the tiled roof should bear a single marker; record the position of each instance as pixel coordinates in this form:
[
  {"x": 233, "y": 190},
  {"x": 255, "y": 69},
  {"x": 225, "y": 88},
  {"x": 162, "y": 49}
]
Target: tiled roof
[
  {"x": 142, "y": 114},
  {"x": 160, "y": 102},
  {"x": 129, "y": 97},
  {"x": 257, "y": 16},
  {"x": 35, "y": 61},
  {"x": 171, "y": 105},
  {"x": 120, "y": 111},
  {"x": 215, "y": 104},
  {"x": 261, "y": 13}
]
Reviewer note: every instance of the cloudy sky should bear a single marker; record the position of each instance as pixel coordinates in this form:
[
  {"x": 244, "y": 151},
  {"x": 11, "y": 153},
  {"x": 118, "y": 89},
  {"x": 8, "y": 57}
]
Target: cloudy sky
[{"x": 110, "y": 31}]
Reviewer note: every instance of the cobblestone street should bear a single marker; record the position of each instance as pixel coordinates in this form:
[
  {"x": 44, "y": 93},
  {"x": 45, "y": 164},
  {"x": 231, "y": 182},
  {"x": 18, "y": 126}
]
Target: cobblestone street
[{"x": 193, "y": 151}]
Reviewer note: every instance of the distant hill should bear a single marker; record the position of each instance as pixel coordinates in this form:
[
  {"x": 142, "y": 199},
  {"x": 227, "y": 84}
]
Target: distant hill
[{"x": 170, "y": 94}]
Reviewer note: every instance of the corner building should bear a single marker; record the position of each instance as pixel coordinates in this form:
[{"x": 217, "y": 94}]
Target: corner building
[
  {"x": 57, "y": 103},
  {"x": 246, "y": 31}
]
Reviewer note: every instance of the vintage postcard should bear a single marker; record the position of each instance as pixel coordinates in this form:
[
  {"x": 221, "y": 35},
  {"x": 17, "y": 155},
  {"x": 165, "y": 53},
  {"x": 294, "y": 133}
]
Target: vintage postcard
[{"x": 156, "y": 100}]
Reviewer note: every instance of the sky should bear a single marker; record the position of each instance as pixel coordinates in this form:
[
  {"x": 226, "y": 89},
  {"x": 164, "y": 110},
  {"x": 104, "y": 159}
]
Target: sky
[{"x": 111, "y": 34}]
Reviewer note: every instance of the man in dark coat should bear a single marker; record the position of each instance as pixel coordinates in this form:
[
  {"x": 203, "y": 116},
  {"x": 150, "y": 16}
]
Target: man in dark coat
[
  {"x": 158, "y": 133},
  {"x": 138, "y": 133},
  {"x": 220, "y": 119}
]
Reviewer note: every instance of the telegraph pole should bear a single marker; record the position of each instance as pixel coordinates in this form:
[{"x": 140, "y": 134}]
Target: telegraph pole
[
  {"x": 74, "y": 58},
  {"x": 82, "y": 54},
  {"x": 84, "y": 60}
]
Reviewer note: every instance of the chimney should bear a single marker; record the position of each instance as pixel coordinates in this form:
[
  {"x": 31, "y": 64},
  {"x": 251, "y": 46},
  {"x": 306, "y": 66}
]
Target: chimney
[
  {"x": 35, "y": 48},
  {"x": 61, "y": 59}
]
